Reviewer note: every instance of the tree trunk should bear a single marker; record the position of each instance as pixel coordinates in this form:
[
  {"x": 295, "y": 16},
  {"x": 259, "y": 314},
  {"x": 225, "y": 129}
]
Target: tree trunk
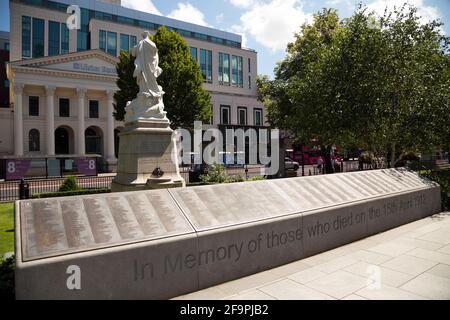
[
  {"x": 328, "y": 163},
  {"x": 393, "y": 156}
]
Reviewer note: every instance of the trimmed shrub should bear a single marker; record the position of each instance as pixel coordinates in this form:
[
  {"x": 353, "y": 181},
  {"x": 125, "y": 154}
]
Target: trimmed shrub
[
  {"x": 70, "y": 184},
  {"x": 443, "y": 179},
  {"x": 7, "y": 267},
  {"x": 215, "y": 173},
  {"x": 69, "y": 193},
  {"x": 236, "y": 178},
  {"x": 257, "y": 178}
]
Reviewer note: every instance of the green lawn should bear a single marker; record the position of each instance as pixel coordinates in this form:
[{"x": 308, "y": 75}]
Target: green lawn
[{"x": 6, "y": 228}]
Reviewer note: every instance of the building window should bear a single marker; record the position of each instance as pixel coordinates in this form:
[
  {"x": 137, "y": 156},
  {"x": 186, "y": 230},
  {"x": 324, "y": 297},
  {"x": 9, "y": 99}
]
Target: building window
[
  {"x": 26, "y": 37},
  {"x": 53, "y": 38},
  {"x": 64, "y": 39},
  {"x": 112, "y": 43},
  {"x": 34, "y": 143},
  {"x": 249, "y": 82},
  {"x": 193, "y": 52},
  {"x": 124, "y": 42},
  {"x": 133, "y": 41},
  {"x": 83, "y": 33},
  {"x": 38, "y": 38},
  {"x": 33, "y": 106},
  {"x": 82, "y": 40},
  {"x": 93, "y": 109},
  {"x": 64, "y": 107},
  {"x": 7, "y": 46},
  {"x": 224, "y": 68},
  {"x": 206, "y": 64},
  {"x": 225, "y": 114},
  {"x": 102, "y": 40},
  {"x": 249, "y": 66},
  {"x": 258, "y": 117},
  {"x": 242, "y": 116},
  {"x": 237, "y": 72}
]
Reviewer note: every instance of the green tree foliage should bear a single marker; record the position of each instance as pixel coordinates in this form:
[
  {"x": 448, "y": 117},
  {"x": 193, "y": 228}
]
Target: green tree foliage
[
  {"x": 185, "y": 99},
  {"x": 7, "y": 291},
  {"x": 381, "y": 84},
  {"x": 70, "y": 184},
  {"x": 128, "y": 87},
  {"x": 215, "y": 173}
]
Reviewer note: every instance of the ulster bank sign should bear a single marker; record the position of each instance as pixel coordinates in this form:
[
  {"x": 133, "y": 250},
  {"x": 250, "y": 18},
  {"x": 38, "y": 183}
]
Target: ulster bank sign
[
  {"x": 91, "y": 63},
  {"x": 85, "y": 67}
]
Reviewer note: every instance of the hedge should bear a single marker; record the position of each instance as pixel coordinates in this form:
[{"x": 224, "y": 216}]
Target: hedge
[
  {"x": 7, "y": 279},
  {"x": 443, "y": 178},
  {"x": 69, "y": 193}
]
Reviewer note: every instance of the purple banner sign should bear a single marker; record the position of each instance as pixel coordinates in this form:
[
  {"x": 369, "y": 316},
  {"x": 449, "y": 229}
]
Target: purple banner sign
[
  {"x": 87, "y": 166},
  {"x": 16, "y": 169}
]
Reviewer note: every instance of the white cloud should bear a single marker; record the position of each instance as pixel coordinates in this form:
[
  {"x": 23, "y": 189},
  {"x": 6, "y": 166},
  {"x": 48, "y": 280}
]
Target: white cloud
[
  {"x": 141, "y": 5},
  {"x": 238, "y": 30},
  {"x": 274, "y": 23},
  {"x": 427, "y": 13},
  {"x": 187, "y": 12},
  {"x": 219, "y": 18},
  {"x": 242, "y": 3},
  {"x": 348, "y": 4}
]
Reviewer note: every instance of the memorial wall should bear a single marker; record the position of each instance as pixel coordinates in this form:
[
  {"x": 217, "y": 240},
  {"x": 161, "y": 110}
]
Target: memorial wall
[{"x": 164, "y": 243}]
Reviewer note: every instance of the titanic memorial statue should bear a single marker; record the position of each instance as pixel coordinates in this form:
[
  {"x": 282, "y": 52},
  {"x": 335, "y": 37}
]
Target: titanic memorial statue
[{"x": 147, "y": 150}]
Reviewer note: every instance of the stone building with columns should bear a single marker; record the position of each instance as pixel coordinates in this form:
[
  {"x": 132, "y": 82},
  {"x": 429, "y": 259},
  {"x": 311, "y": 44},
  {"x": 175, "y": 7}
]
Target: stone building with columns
[
  {"x": 60, "y": 111},
  {"x": 62, "y": 80}
]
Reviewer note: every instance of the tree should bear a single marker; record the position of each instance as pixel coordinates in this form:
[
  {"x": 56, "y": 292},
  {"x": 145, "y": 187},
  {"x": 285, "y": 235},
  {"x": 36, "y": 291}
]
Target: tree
[
  {"x": 128, "y": 87},
  {"x": 377, "y": 83},
  {"x": 185, "y": 100}
]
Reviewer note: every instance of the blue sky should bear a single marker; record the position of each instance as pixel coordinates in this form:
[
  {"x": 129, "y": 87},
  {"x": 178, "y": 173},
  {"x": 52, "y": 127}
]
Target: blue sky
[{"x": 266, "y": 25}]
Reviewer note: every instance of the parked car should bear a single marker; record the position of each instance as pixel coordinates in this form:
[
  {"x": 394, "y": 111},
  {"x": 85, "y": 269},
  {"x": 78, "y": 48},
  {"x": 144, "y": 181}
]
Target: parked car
[{"x": 290, "y": 164}]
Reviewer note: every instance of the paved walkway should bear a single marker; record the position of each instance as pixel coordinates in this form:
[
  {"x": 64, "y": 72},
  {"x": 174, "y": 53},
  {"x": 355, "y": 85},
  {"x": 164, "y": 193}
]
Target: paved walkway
[{"x": 411, "y": 262}]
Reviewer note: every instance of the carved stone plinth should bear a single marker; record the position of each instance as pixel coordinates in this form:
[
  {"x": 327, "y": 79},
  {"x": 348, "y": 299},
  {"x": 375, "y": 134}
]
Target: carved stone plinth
[{"x": 147, "y": 155}]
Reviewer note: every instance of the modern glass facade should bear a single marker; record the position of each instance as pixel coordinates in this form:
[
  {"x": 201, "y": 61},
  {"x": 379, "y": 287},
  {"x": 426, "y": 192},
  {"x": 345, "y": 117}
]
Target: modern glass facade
[
  {"x": 26, "y": 37},
  {"x": 112, "y": 43},
  {"x": 64, "y": 39},
  {"x": 83, "y": 34},
  {"x": 133, "y": 41},
  {"x": 224, "y": 68},
  {"x": 193, "y": 52},
  {"x": 102, "y": 40},
  {"x": 237, "y": 74},
  {"x": 53, "y": 38},
  {"x": 38, "y": 38},
  {"x": 206, "y": 64},
  {"x": 86, "y": 15},
  {"x": 124, "y": 42}
]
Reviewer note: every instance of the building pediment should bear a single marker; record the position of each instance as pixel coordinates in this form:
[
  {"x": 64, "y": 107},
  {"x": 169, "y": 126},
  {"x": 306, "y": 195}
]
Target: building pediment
[{"x": 93, "y": 62}]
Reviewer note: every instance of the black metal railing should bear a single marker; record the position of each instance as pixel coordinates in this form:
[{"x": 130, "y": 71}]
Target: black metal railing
[{"x": 11, "y": 190}]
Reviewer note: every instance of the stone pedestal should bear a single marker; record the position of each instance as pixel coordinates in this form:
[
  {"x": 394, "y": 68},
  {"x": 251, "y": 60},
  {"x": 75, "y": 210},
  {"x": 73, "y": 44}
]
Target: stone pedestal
[{"x": 147, "y": 157}]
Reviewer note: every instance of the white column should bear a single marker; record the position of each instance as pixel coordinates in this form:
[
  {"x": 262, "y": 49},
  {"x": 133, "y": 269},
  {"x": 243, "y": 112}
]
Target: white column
[
  {"x": 50, "y": 120},
  {"x": 18, "y": 120},
  {"x": 110, "y": 154},
  {"x": 81, "y": 148}
]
